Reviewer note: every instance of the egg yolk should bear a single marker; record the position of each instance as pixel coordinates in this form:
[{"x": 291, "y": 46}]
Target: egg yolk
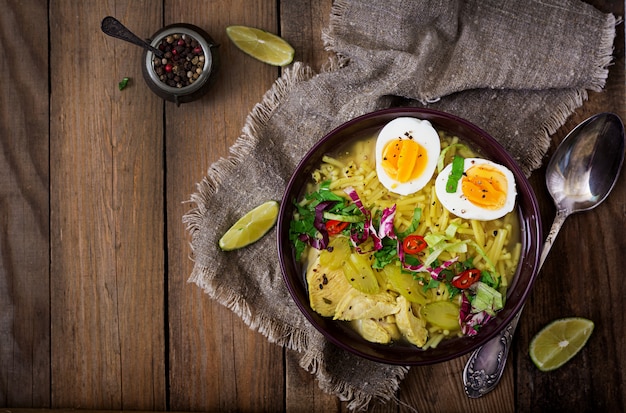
[
  {"x": 485, "y": 186},
  {"x": 404, "y": 159}
]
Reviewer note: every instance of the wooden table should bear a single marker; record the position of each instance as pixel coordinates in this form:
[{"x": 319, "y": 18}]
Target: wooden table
[{"x": 95, "y": 308}]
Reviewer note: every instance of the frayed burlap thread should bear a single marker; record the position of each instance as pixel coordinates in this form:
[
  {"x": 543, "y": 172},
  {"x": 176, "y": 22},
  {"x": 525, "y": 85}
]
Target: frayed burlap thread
[{"x": 516, "y": 69}]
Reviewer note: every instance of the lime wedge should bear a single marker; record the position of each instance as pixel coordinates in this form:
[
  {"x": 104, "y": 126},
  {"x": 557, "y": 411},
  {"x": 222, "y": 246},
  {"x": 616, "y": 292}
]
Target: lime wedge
[
  {"x": 261, "y": 45},
  {"x": 251, "y": 227},
  {"x": 559, "y": 341}
]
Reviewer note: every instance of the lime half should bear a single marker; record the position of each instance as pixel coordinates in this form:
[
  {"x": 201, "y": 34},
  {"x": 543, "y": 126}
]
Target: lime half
[
  {"x": 559, "y": 341},
  {"x": 261, "y": 45},
  {"x": 251, "y": 227}
]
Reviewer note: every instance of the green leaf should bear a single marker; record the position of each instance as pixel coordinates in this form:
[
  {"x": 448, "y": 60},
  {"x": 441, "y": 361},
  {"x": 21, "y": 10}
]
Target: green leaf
[
  {"x": 415, "y": 221},
  {"x": 386, "y": 255},
  {"x": 456, "y": 174},
  {"x": 124, "y": 83}
]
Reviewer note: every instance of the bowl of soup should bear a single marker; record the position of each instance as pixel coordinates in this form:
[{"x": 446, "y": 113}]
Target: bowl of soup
[{"x": 408, "y": 236}]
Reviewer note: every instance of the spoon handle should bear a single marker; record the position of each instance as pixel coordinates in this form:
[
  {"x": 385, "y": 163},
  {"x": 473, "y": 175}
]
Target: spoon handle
[
  {"x": 559, "y": 219},
  {"x": 485, "y": 366},
  {"x": 114, "y": 28}
]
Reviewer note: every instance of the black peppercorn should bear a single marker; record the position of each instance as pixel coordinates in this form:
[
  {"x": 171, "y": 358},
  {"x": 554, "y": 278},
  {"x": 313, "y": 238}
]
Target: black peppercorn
[{"x": 183, "y": 57}]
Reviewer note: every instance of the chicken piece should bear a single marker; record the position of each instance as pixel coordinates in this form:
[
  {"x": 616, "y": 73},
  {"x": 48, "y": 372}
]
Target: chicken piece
[
  {"x": 382, "y": 331},
  {"x": 412, "y": 328},
  {"x": 371, "y": 330},
  {"x": 326, "y": 287},
  {"x": 355, "y": 305},
  {"x": 389, "y": 324}
]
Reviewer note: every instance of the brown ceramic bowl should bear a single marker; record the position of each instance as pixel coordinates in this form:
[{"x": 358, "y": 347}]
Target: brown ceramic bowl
[{"x": 339, "y": 332}]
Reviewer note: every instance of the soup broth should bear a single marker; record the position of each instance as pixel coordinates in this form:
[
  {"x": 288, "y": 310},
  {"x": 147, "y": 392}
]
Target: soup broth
[{"x": 400, "y": 268}]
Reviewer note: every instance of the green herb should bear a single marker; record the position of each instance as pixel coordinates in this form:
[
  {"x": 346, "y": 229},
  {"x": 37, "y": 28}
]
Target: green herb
[
  {"x": 325, "y": 194},
  {"x": 386, "y": 255},
  {"x": 489, "y": 279},
  {"x": 343, "y": 217},
  {"x": 304, "y": 221},
  {"x": 123, "y": 83},
  {"x": 432, "y": 283},
  {"x": 452, "y": 290},
  {"x": 303, "y": 225},
  {"x": 456, "y": 174},
  {"x": 444, "y": 152},
  {"x": 411, "y": 261},
  {"x": 415, "y": 221}
]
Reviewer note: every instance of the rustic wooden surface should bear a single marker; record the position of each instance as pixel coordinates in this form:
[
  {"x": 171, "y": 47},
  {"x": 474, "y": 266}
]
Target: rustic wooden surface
[{"x": 95, "y": 310}]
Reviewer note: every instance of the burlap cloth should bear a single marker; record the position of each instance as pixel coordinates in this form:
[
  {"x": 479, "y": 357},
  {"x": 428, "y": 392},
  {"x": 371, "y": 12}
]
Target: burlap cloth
[{"x": 515, "y": 68}]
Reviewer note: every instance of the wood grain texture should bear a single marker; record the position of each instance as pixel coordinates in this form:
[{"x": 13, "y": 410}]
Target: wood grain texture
[
  {"x": 24, "y": 206},
  {"x": 216, "y": 362},
  {"x": 95, "y": 309},
  {"x": 582, "y": 276},
  {"x": 107, "y": 325},
  {"x": 301, "y": 24}
]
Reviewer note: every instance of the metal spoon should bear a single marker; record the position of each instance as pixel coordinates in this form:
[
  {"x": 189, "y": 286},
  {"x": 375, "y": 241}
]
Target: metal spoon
[
  {"x": 113, "y": 27},
  {"x": 580, "y": 175}
]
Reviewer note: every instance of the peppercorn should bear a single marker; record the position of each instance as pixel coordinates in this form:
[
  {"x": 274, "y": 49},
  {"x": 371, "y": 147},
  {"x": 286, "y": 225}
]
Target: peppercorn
[{"x": 182, "y": 62}]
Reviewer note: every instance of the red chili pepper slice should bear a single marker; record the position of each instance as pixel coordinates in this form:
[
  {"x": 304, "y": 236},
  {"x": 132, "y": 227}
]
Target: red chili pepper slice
[
  {"x": 466, "y": 278},
  {"x": 414, "y": 244},
  {"x": 335, "y": 227}
]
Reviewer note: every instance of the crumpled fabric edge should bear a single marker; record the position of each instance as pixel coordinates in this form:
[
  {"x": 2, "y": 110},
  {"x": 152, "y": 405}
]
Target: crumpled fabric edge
[
  {"x": 244, "y": 144},
  {"x": 239, "y": 151},
  {"x": 357, "y": 401},
  {"x": 293, "y": 339},
  {"x": 561, "y": 111},
  {"x": 604, "y": 57},
  {"x": 288, "y": 337},
  {"x": 576, "y": 99}
]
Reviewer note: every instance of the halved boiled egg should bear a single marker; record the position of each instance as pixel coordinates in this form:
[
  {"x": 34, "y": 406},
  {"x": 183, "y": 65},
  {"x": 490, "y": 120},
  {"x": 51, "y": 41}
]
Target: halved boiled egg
[
  {"x": 406, "y": 154},
  {"x": 486, "y": 190}
]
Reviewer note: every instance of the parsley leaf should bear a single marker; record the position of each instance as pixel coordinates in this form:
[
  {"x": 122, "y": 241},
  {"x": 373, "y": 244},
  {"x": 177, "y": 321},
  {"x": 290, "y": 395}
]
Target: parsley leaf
[
  {"x": 123, "y": 83},
  {"x": 386, "y": 255}
]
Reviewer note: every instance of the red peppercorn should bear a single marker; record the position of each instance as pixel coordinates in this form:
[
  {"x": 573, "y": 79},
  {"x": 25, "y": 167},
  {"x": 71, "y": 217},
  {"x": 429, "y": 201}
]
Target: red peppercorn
[{"x": 182, "y": 62}]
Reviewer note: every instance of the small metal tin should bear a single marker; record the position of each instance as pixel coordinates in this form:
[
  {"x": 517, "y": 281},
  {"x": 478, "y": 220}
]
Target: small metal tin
[{"x": 198, "y": 88}]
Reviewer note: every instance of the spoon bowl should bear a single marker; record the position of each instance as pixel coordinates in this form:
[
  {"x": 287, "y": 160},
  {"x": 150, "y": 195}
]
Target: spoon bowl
[
  {"x": 114, "y": 28},
  {"x": 579, "y": 177},
  {"x": 579, "y": 174}
]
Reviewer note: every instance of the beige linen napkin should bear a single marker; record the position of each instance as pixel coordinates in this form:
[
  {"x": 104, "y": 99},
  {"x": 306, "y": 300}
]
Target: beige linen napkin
[{"x": 517, "y": 69}]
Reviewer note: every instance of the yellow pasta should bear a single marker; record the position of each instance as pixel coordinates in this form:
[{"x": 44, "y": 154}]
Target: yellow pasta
[
  {"x": 346, "y": 182},
  {"x": 493, "y": 239},
  {"x": 498, "y": 243},
  {"x": 332, "y": 161},
  {"x": 479, "y": 232}
]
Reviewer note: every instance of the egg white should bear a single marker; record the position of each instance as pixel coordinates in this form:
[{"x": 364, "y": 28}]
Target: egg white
[
  {"x": 423, "y": 133},
  {"x": 458, "y": 204}
]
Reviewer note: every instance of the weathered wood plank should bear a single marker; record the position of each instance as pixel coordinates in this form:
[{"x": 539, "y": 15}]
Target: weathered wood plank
[
  {"x": 301, "y": 24},
  {"x": 217, "y": 362},
  {"x": 107, "y": 226},
  {"x": 24, "y": 206},
  {"x": 95, "y": 258},
  {"x": 582, "y": 276}
]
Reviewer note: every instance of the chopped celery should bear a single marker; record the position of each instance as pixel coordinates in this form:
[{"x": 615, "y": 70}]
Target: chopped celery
[{"x": 486, "y": 299}]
